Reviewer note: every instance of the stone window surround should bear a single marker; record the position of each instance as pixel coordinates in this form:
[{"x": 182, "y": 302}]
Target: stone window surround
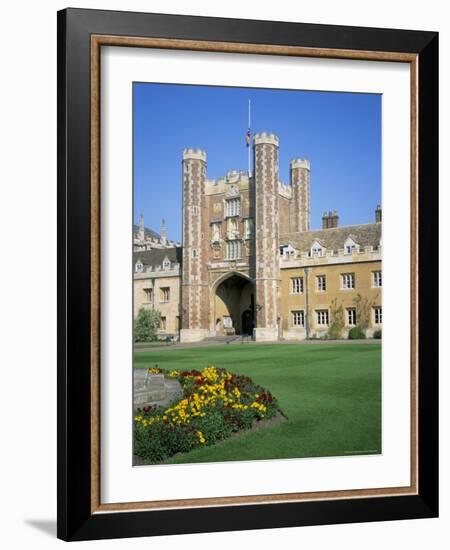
[
  {"x": 148, "y": 293},
  {"x": 164, "y": 294},
  {"x": 348, "y": 281},
  {"x": 298, "y": 318},
  {"x": 377, "y": 315},
  {"x": 297, "y": 285},
  {"x": 233, "y": 207},
  {"x": 321, "y": 283},
  {"x": 234, "y": 249},
  {"x": 322, "y": 317},
  {"x": 377, "y": 279},
  {"x": 351, "y": 316}
]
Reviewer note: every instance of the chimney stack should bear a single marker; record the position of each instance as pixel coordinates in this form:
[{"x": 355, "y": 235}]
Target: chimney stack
[{"x": 330, "y": 219}]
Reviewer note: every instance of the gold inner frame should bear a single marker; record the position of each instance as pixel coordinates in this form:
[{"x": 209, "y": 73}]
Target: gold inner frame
[{"x": 97, "y": 41}]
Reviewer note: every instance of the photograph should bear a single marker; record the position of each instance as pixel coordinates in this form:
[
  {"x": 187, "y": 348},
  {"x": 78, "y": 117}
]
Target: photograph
[
  {"x": 247, "y": 273},
  {"x": 256, "y": 274}
]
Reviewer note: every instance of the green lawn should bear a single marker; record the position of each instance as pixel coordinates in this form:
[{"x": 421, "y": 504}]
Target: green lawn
[{"x": 331, "y": 395}]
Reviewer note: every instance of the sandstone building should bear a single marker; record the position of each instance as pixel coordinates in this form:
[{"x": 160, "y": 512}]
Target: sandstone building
[{"x": 250, "y": 263}]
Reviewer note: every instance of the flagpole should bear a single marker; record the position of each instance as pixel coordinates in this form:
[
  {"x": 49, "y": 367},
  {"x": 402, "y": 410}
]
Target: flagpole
[{"x": 249, "y": 145}]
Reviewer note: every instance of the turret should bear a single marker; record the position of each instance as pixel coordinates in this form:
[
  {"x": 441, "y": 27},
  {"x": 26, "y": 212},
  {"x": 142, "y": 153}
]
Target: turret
[
  {"x": 163, "y": 233},
  {"x": 141, "y": 234},
  {"x": 194, "y": 281},
  {"x": 378, "y": 213},
  {"x": 267, "y": 269},
  {"x": 300, "y": 204}
]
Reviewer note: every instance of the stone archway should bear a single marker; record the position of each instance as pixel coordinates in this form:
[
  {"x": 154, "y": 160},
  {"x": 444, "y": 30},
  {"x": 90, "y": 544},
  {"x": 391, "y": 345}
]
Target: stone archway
[{"x": 233, "y": 299}]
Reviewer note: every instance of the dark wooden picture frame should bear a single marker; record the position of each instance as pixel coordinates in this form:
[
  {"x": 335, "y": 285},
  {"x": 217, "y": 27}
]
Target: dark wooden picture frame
[{"x": 81, "y": 34}]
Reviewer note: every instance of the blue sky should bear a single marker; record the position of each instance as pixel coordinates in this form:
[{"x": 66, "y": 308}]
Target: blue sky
[{"x": 340, "y": 133}]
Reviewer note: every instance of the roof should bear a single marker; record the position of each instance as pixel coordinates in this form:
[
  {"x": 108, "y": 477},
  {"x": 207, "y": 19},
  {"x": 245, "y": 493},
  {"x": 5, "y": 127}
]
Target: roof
[
  {"x": 368, "y": 234},
  {"x": 155, "y": 256},
  {"x": 149, "y": 233}
]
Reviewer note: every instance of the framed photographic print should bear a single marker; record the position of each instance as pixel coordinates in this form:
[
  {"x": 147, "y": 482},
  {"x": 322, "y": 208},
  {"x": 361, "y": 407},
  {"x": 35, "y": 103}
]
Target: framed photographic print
[{"x": 247, "y": 274}]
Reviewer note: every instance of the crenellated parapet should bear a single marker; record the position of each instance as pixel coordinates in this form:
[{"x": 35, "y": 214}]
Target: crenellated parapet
[
  {"x": 155, "y": 272},
  {"x": 300, "y": 163},
  {"x": 194, "y": 154},
  {"x": 285, "y": 190},
  {"x": 265, "y": 137},
  {"x": 233, "y": 178},
  {"x": 329, "y": 257}
]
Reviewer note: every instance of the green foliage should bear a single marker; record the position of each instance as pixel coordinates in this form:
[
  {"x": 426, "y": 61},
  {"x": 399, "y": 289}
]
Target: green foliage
[
  {"x": 356, "y": 333},
  {"x": 377, "y": 334},
  {"x": 213, "y": 426},
  {"x": 215, "y": 403},
  {"x": 337, "y": 320},
  {"x": 363, "y": 308},
  {"x": 146, "y": 325},
  {"x": 241, "y": 419},
  {"x": 158, "y": 442}
]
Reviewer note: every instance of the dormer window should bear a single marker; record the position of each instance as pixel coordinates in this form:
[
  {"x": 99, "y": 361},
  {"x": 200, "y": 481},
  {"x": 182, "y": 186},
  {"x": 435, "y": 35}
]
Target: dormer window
[
  {"x": 139, "y": 267},
  {"x": 317, "y": 249},
  {"x": 166, "y": 263},
  {"x": 350, "y": 245},
  {"x": 287, "y": 251}
]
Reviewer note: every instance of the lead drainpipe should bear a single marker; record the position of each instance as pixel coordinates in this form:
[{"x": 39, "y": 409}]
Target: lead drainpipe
[{"x": 307, "y": 301}]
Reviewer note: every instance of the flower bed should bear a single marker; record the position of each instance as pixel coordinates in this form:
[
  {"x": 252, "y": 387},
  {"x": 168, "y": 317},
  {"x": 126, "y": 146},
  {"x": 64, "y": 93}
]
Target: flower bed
[{"x": 215, "y": 404}]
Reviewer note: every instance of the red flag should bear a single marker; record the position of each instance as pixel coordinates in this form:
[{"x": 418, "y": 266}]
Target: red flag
[{"x": 247, "y": 137}]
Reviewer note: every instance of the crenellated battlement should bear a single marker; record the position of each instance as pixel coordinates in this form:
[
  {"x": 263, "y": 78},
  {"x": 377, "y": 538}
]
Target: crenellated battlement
[
  {"x": 265, "y": 137},
  {"x": 156, "y": 272},
  {"x": 235, "y": 178},
  {"x": 362, "y": 254},
  {"x": 194, "y": 154},
  {"x": 300, "y": 163},
  {"x": 285, "y": 190}
]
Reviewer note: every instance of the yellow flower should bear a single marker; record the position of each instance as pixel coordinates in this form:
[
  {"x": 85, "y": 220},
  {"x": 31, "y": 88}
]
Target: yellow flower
[
  {"x": 201, "y": 437},
  {"x": 153, "y": 370}
]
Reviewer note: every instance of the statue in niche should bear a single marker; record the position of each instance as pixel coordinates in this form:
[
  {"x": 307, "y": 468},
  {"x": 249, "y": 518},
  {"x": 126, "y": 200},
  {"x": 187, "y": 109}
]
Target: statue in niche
[
  {"x": 233, "y": 232},
  {"x": 215, "y": 233}
]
